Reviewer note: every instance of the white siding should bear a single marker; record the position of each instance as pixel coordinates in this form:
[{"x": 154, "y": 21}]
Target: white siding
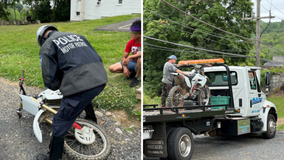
[
  {"x": 106, "y": 8},
  {"x": 75, "y": 7}
]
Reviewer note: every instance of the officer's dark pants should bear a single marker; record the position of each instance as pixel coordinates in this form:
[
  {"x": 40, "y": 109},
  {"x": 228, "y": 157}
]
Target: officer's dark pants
[
  {"x": 90, "y": 115},
  {"x": 70, "y": 109}
]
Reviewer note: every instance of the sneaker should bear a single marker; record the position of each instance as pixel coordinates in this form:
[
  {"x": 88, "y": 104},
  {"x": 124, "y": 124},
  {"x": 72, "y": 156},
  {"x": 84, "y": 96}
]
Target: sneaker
[{"x": 134, "y": 82}]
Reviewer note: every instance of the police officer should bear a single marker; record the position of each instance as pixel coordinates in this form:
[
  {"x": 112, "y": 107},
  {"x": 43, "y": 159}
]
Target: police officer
[{"x": 69, "y": 63}]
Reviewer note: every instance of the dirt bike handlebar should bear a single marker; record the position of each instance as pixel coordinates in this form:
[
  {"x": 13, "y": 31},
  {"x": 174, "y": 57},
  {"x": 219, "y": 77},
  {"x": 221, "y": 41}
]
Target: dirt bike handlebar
[
  {"x": 22, "y": 82},
  {"x": 22, "y": 76}
]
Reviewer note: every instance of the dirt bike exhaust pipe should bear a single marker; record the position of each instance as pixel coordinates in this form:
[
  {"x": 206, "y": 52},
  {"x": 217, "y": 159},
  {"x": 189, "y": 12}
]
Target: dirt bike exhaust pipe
[
  {"x": 75, "y": 125},
  {"x": 45, "y": 106}
]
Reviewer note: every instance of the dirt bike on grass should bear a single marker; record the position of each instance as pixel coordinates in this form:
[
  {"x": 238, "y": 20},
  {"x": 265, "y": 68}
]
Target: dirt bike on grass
[
  {"x": 85, "y": 140},
  {"x": 189, "y": 87}
]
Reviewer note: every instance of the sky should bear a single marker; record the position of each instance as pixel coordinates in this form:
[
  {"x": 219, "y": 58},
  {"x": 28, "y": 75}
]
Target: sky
[{"x": 265, "y": 6}]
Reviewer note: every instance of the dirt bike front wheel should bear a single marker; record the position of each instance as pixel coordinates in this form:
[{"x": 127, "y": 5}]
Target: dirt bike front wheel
[
  {"x": 98, "y": 150},
  {"x": 204, "y": 96},
  {"x": 175, "y": 98}
]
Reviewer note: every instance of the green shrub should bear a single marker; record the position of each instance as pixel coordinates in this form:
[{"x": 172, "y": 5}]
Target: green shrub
[{"x": 113, "y": 97}]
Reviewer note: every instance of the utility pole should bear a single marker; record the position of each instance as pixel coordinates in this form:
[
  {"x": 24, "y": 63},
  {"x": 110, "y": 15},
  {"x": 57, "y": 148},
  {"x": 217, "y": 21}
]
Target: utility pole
[{"x": 257, "y": 49}]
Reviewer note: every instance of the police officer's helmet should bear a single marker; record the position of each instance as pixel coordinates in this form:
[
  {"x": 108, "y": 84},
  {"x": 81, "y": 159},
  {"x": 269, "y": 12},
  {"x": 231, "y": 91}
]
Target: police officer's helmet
[{"x": 41, "y": 31}]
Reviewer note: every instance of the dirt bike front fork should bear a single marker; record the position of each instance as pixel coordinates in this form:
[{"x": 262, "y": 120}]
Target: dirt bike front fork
[{"x": 19, "y": 111}]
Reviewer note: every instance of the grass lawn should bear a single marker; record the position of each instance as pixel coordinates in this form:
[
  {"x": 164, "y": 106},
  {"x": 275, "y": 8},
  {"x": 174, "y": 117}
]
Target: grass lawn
[
  {"x": 278, "y": 102},
  {"x": 19, "y": 50}
]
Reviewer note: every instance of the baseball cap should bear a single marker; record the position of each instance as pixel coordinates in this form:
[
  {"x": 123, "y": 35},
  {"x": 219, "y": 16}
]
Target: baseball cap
[{"x": 172, "y": 57}]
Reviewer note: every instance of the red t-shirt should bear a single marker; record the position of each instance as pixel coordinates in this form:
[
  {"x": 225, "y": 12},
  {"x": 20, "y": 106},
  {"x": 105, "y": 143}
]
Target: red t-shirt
[{"x": 133, "y": 47}]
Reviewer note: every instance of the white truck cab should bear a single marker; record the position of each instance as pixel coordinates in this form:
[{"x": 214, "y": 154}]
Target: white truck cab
[{"x": 248, "y": 98}]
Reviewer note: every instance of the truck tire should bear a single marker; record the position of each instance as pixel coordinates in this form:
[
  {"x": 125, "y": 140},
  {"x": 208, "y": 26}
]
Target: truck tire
[
  {"x": 271, "y": 127},
  {"x": 175, "y": 98},
  {"x": 180, "y": 144}
]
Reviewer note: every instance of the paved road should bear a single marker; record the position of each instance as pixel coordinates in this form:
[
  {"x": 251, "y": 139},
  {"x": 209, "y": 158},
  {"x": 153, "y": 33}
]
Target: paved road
[
  {"x": 120, "y": 27},
  {"x": 239, "y": 148},
  {"x": 246, "y": 147}
]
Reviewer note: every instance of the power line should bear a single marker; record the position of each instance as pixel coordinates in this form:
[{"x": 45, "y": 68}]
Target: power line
[
  {"x": 192, "y": 28},
  {"x": 217, "y": 27},
  {"x": 232, "y": 54},
  {"x": 271, "y": 12},
  {"x": 195, "y": 47},
  {"x": 178, "y": 50},
  {"x": 275, "y": 7},
  {"x": 205, "y": 38}
]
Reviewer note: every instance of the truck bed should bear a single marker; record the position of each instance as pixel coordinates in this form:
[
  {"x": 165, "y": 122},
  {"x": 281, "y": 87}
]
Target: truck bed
[{"x": 182, "y": 113}]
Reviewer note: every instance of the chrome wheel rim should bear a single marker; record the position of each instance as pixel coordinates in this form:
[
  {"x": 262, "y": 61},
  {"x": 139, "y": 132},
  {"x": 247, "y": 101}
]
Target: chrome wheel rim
[
  {"x": 271, "y": 126},
  {"x": 184, "y": 145}
]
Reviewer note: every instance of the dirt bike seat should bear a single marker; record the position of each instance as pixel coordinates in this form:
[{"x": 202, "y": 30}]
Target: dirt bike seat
[{"x": 191, "y": 76}]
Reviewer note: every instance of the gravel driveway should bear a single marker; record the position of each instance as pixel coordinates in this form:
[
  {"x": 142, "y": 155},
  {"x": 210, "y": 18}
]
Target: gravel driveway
[{"x": 17, "y": 140}]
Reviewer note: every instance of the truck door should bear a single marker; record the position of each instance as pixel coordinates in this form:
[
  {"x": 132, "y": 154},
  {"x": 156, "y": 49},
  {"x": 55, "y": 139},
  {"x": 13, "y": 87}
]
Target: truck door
[{"x": 254, "y": 98}]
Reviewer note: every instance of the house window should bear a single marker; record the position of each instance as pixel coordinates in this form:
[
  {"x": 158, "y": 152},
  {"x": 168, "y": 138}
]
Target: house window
[
  {"x": 78, "y": 13},
  {"x": 119, "y": 1}
]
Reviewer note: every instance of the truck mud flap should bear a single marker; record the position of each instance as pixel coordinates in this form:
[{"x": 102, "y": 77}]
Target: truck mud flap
[{"x": 157, "y": 145}]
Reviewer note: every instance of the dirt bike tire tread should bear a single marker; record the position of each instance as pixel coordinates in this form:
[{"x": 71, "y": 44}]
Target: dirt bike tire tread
[
  {"x": 73, "y": 155},
  {"x": 171, "y": 94}
]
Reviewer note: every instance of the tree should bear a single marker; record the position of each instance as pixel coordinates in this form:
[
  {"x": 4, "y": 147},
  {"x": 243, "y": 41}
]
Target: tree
[
  {"x": 19, "y": 7},
  {"x": 3, "y": 8},
  {"x": 224, "y": 14},
  {"x": 60, "y": 10},
  {"x": 43, "y": 11}
]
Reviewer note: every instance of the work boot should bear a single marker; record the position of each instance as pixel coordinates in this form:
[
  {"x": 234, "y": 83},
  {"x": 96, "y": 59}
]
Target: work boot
[
  {"x": 90, "y": 115},
  {"x": 134, "y": 82},
  {"x": 42, "y": 157},
  {"x": 132, "y": 75},
  {"x": 56, "y": 148}
]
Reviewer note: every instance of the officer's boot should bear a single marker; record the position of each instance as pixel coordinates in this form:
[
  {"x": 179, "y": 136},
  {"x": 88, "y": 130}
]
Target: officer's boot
[
  {"x": 42, "y": 157},
  {"x": 90, "y": 113},
  {"x": 56, "y": 148}
]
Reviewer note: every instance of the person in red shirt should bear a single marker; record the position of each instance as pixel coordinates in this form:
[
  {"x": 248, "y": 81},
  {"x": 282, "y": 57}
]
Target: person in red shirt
[{"x": 130, "y": 65}]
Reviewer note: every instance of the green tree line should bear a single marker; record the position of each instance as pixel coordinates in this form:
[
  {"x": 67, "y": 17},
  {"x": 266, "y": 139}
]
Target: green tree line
[
  {"x": 166, "y": 23},
  {"x": 43, "y": 10}
]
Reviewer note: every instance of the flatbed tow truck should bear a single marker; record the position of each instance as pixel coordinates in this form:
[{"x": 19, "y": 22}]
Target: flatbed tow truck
[{"x": 240, "y": 107}]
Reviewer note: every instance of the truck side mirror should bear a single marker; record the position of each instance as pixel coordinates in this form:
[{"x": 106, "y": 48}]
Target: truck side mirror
[{"x": 267, "y": 81}]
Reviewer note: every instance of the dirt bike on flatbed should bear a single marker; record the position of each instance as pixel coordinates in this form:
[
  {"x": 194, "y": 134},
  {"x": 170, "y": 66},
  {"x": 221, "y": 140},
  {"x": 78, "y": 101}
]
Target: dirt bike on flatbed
[{"x": 189, "y": 87}]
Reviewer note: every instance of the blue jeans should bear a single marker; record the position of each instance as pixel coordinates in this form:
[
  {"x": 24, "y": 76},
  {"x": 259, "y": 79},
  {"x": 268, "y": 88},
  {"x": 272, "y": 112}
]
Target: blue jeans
[{"x": 131, "y": 66}]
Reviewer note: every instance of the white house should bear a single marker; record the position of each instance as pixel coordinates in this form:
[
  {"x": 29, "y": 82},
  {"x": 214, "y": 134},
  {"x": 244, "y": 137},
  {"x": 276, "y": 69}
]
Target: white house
[{"x": 96, "y": 9}]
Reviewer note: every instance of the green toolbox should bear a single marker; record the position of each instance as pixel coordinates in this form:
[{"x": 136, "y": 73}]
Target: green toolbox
[{"x": 219, "y": 100}]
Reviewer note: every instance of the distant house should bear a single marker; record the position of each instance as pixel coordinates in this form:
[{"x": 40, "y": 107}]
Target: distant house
[
  {"x": 96, "y": 9},
  {"x": 278, "y": 58},
  {"x": 277, "y": 61}
]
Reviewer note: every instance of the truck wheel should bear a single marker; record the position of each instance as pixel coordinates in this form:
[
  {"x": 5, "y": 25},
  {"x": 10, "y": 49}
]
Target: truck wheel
[
  {"x": 271, "y": 127},
  {"x": 175, "y": 98},
  {"x": 204, "y": 96},
  {"x": 180, "y": 144}
]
